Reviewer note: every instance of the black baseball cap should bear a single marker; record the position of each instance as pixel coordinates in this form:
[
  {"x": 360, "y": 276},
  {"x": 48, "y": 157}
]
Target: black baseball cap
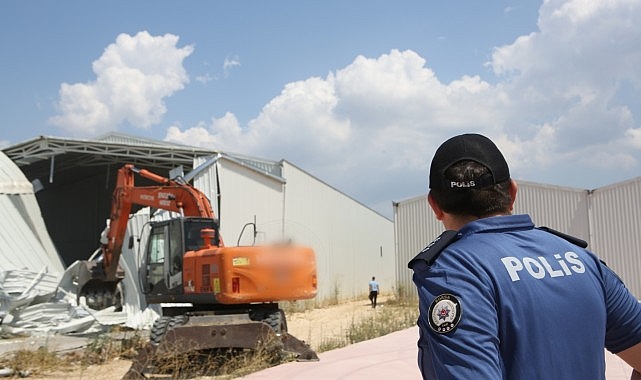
[{"x": 473, "y": 147}]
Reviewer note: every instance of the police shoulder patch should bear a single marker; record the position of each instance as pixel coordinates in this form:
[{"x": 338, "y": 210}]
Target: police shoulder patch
[
  {"x": 444, "y": 313},
  {"x": 431, "y": 252}
]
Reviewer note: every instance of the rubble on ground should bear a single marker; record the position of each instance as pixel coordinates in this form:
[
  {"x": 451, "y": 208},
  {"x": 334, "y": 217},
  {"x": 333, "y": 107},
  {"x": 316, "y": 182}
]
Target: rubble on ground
[{"x": 38, "y": 295}]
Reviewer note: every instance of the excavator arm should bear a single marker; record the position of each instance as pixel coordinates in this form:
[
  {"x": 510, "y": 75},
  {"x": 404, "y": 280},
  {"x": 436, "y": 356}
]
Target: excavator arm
[{"x": 168, "y": 195}]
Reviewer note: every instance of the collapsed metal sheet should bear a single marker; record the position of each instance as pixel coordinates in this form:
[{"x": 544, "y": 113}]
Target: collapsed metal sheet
[
  {"x": 30, "y": 266},
  {"x": 37, "y": 294}
]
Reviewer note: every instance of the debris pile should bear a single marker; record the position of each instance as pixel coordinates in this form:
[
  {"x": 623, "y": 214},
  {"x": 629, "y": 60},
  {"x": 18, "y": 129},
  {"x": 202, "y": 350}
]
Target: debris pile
[{"x": 37, "y": 293}]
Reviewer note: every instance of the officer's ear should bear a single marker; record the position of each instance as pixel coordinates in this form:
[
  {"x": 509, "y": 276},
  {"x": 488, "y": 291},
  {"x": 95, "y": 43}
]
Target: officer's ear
[
  {"x": 438, "y": 212},
  {"x": 513, "y": 190}
]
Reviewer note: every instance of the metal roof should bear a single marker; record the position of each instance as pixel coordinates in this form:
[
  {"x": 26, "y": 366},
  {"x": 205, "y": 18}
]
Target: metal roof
[
  {"x": 123, "y": 138},
  {"x": 74, "y": 178},
  {"x": 44, "y": 156}
]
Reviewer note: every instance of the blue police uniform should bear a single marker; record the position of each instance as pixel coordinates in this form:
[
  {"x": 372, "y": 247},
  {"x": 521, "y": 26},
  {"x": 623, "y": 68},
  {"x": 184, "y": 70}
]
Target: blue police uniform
[{"x": 506, "y": 300}]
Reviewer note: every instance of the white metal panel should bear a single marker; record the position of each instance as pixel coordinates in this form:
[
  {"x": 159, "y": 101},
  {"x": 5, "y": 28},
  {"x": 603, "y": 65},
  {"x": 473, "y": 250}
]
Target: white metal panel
[
  {"x": 24, "y": 241},
  {"x": 415, "y": 226},
  {"x": 12, "y": 180},
  {"x": 206, "y": 182},
  {"x": 561, "y": 208},
  {"x": 29, "y": 263},
  {"x": 352, "y": 242},
  {"x": 245, "y": 195},
  {"x": 615, "y": 214},
  {"x": 139, "y": 314},
  {"x": 608, "y": 218}
]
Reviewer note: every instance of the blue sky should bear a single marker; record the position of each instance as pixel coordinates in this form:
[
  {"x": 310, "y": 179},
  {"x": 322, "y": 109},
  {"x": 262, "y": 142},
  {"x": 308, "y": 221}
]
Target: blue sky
[{"x": 358, "y": 93}]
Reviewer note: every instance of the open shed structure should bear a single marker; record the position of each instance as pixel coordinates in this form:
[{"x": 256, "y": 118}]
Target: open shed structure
[{"x": 73, "y": 181}]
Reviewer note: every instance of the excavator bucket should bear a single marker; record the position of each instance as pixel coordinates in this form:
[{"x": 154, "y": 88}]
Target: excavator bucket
[
  {"x": 207, "y": 333},
  {"x": 293, "y": 345}
]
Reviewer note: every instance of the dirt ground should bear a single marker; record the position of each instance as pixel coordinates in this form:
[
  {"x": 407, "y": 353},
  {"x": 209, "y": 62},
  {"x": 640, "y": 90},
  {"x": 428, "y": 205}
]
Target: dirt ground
[
  {"x": 318, "y": 325},
  {"x": 312, "y": 326}
]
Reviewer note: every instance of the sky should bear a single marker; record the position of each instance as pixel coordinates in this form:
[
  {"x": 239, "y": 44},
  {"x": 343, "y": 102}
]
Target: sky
[{"x": 357, "y": 93}]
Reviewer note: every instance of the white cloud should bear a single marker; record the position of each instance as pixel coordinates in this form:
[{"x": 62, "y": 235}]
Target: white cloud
[
  {"x": 371, "y": 128},
  {"x": 372, "y": 119},
  {"x": 205, "y": 78},
  {"x": 230, "y": 63},
  {"x": 569, "y": 74},
  {"x": 633, "y": 138},
  {"x": 216, "y": 134},
  {"x": 134, "y": 75}
]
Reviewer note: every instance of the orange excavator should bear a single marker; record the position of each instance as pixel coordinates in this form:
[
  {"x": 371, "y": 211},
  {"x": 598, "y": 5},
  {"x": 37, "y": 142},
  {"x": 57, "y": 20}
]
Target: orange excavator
[{"x": 227, "y": 296}]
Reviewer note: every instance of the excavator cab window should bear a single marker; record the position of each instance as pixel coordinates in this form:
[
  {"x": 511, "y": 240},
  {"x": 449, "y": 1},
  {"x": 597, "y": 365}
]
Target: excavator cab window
[
  {"x": 164, "y": 257},
  {"x": 192, "y": 228},
  {"x": 155, "y": 258},
  {"x": 176, "y": 248},
  {"x": 166, "y": 248}
]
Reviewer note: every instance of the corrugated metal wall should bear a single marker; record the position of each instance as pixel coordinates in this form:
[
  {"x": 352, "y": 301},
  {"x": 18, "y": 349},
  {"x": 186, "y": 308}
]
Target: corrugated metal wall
[
  {"x": 615, "y": 222},
  {"x": 562, "y": 208},
  {"x": 414, "y": 227},
  {"x": 352, "y": 242},
  {"x": 608, "y": 218},
  {"x": 24, "y": 241},
  {"x": 245, "y": 195}
]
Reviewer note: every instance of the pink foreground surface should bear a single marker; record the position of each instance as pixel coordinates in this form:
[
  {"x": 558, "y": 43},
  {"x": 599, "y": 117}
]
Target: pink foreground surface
[{"x": 389, "y": 357}]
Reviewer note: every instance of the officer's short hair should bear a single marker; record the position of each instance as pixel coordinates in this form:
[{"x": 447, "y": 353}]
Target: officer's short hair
[{"x": 494, "y": 199}]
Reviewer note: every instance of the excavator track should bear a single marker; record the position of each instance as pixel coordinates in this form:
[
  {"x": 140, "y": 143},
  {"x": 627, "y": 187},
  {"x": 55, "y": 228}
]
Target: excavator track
[{"x": 181, "y": 334}]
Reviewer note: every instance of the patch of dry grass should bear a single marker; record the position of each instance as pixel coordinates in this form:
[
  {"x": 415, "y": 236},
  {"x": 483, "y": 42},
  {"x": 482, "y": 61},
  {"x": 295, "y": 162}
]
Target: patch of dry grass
[
  {"x": 177, "y": 363},
  {"x": 45, "y": 359},
  {"x": 399, "y": 313}
]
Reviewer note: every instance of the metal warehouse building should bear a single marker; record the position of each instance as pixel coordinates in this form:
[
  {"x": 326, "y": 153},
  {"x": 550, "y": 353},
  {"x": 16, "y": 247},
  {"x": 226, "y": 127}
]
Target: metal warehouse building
[
  {"x": 74, "y": 179},
  {"x": 608, "y": 218}
]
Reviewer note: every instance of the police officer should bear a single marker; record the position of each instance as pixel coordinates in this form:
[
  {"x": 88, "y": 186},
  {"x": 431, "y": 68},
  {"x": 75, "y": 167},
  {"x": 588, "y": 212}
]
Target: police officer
[{"x": 502, "y": 299}]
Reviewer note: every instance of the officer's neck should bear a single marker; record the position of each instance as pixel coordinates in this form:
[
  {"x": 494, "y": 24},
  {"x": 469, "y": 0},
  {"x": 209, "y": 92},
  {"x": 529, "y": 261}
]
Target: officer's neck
[{"x": 456, "y": 222}]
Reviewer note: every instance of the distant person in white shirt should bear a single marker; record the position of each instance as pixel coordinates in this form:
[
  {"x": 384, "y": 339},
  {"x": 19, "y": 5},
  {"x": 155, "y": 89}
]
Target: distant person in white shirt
[{"x": 373, "y": 291}]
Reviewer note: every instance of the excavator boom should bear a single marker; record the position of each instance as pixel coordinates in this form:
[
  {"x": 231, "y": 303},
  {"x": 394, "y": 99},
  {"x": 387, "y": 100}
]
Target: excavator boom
[{"x": 169, "y": 195}]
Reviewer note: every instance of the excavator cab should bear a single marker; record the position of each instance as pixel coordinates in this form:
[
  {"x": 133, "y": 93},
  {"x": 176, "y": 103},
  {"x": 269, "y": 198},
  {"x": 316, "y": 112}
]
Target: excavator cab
[{"x": 163, "y": 259}]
